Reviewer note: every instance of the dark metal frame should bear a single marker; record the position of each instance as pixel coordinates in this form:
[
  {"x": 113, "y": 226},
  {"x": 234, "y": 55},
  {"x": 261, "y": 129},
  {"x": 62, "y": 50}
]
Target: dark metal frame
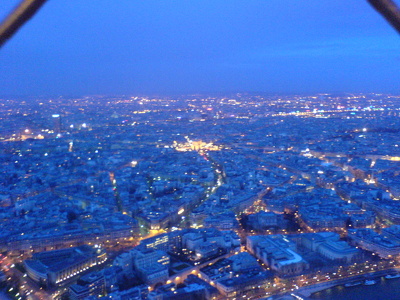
[
  {"x": 27, "y": 8},
  {"x": 21, "y": 14}
]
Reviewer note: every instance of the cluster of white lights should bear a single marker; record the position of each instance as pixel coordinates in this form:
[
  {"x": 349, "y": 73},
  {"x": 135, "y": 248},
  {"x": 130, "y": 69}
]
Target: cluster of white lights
[
  {"x": 80, "y": 271},
  {"x": 71, "y": 275}
]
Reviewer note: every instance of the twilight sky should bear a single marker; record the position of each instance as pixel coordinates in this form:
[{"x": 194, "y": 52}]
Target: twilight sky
[{"x": 82, "y": 47}]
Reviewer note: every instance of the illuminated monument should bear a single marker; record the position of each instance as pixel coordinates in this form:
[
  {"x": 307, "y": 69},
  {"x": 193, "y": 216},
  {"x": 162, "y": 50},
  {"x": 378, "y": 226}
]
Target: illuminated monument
[{"x": 199, "y": 146}]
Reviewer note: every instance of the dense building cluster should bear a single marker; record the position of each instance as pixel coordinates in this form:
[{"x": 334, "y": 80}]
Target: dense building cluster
[{"x": 196, "y": 197}]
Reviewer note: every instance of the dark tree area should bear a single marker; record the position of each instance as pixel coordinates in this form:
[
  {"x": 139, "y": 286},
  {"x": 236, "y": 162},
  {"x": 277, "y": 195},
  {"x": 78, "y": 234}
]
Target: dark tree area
[{"x": 71, "y": 216}]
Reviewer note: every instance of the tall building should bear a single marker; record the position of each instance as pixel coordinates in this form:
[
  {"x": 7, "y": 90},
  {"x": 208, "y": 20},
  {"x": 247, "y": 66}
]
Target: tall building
[{"x": 57, "y": 123}]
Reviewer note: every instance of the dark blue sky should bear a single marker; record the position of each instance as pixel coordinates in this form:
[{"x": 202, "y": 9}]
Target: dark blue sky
[{"x": 178, "y": 46}]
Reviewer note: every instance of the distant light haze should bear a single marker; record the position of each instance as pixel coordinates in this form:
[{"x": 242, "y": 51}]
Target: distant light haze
[{"x": 83, "y": 47}]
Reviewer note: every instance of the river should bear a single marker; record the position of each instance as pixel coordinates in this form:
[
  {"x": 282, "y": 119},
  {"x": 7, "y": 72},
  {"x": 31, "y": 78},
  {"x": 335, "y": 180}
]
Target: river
[{"x": 385, "y": 289}]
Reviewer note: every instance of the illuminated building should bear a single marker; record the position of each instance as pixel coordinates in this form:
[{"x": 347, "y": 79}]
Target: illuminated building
[
  {"x": 57, "y": 123},
  {"x": 54, "y": 267},
  {"x": 89, "y": 285},
  {"x": 152, "y": 265},
  {"x": 328, "y": 245},
  {"x": 195, "y": 146},
  {"x": 278, "y": 253},
  {"x": 158, "y": 242},
  {"x": 236, "y": 275},
  {"x": 380, "y": 244}
]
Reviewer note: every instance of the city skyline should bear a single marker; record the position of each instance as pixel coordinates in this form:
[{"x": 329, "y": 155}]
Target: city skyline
[{"x": 203, "y": 150}]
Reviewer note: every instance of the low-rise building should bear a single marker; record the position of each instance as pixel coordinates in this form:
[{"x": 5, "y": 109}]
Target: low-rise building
[
  {"x": 92, "y": 284},
  {"x": 369, "y": 240},
  {"x": 237, "y": 275},
  {"x": 329, "y": 245},
  {"x": 54, "y": 267},
  {"x": 278, "y": 252}
]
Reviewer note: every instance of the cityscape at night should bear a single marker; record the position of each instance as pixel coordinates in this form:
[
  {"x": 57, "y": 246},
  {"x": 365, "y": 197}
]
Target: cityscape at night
[
  {"x": 198, "y": 197},
  {"x": 199, "y": 150}
]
